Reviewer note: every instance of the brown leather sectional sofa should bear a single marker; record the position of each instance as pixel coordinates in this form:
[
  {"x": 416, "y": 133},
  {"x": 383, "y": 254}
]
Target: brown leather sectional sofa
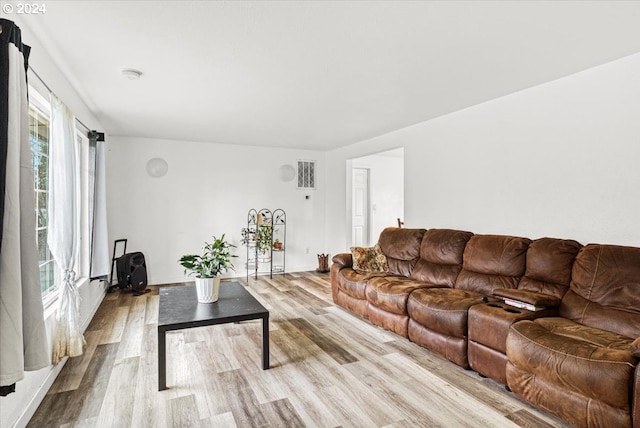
[{"x": 575, "y": 355}]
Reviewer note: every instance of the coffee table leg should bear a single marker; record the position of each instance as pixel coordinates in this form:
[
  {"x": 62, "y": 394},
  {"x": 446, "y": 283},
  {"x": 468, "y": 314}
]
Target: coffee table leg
[
  {"x": 265, "y": 343},
  {"x": 162, "y": 360}
]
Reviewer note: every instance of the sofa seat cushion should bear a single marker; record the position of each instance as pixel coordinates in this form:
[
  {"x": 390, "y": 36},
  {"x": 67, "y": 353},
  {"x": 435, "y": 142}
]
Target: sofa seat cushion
[
  {"x": 443, "y": 310},
  {"x": 593, "y": 363},
  {"x": 354, "y": 283},
  {"x": 390, "y": 293}
]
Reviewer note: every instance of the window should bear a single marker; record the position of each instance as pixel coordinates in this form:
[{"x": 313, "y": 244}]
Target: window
[{"x": 39, "y": 136}]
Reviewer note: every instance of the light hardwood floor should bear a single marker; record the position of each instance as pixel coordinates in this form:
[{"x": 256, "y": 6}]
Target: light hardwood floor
[{"x": 329, "y": 368}]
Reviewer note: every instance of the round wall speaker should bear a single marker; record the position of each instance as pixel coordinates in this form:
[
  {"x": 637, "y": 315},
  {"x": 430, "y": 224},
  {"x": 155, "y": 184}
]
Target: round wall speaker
[
  {"x": 286, "y": 173},
  {"x": 157, "y": 167}
]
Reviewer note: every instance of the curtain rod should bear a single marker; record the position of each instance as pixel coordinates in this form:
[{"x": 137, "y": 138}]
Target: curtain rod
[{"x": 51, "y": 92}]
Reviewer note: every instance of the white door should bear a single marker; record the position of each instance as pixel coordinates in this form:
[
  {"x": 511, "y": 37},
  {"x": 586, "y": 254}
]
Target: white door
[{"x": 360, "y": 207}]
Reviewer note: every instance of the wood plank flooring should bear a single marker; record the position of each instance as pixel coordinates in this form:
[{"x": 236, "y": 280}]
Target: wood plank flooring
[{"x": 329, "y": 368}]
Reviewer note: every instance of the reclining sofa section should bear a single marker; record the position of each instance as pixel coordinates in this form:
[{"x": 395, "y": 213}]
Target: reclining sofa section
[{"x": 573, "y": 350}]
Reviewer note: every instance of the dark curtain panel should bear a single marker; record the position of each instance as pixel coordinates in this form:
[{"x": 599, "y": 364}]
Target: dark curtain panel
[
  {"x": 9, "y": 34},
  {"x": 22, "y": 331}
]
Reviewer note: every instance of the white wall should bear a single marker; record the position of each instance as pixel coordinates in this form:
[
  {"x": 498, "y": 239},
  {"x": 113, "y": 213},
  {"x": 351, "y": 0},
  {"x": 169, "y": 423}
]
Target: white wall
[
  {"x": 17, "y": 408},
  {"x": 207, "y": 191},
  {"x": 560, "y": 159}
]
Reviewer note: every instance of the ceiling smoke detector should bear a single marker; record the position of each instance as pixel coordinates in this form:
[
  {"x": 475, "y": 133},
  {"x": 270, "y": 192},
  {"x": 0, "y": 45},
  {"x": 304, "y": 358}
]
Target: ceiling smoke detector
[{"x": 131, "y": 74}]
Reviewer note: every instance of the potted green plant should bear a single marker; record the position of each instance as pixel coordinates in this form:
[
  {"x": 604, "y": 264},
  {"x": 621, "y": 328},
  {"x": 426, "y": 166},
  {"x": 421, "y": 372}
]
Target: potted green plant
[
  {"x": 264, "y": 241},
  {"x": 207, "y": 267}
]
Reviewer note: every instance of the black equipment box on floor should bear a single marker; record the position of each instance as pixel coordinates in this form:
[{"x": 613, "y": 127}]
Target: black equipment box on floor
[{"x": 131, "y": 269}]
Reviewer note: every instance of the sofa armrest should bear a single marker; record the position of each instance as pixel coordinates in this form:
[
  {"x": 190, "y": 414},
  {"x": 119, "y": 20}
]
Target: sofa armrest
[
  {"x": 343, "y": 259},
  {"x": 530, "y": 297}
]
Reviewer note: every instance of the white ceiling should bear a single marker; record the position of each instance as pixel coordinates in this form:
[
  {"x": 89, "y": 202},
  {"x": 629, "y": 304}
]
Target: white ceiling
[{"x": 317, "y": 74}]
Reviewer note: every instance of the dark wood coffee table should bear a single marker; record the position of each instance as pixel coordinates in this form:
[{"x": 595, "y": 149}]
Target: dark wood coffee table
[{"x": 179, "y": 309}]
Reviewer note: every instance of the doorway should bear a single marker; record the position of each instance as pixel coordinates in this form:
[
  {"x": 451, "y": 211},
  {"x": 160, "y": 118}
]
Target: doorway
[
  {"x": 360, "y": 207},
  {"x": 376, "y": 190}
]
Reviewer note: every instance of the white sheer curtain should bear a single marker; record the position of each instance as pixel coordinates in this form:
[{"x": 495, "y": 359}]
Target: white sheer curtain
[
  {"x": 63, "y": 234},
  {"x": 23, "y": 341}
]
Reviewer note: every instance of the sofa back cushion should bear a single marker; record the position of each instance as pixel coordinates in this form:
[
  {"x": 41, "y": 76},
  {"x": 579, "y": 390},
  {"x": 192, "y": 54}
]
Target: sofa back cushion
[
  {"x": 605, "y": 289},
  {"x": 549, "y": 264},
  {"x": 441, "y": 256},
  {"x": 491, "y": 262},
  {"x": 402, "y": 248}
]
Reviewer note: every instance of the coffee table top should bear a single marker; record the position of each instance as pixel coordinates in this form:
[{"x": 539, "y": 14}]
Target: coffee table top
[{"x": 179, "y": 307}]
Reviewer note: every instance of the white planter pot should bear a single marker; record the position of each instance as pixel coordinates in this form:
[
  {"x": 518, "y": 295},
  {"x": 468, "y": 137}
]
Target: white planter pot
[
  {"x": 208, "y": 289},
  {"x": 264, "y": 257}
]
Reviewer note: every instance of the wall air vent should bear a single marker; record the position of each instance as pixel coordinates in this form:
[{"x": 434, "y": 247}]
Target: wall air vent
[{"x": 306, "y": 174}]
